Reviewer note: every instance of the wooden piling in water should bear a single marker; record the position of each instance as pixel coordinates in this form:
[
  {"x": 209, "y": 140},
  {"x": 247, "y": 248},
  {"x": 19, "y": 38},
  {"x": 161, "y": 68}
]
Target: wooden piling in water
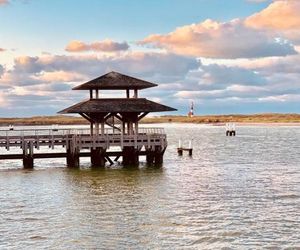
[
  {"x": 73, "y": 158},
  {"x": 28, "y": 155},
  {"x": 98, "y": 157},
  {"x": 130, "y": 156},
  {"x": 230, "y": 129},
  {"x": 189, "y": 149}
]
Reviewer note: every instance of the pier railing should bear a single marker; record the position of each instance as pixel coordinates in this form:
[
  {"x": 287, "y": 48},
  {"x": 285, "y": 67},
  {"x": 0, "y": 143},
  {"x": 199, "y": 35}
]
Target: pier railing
[{"x": 70, "y": 131}]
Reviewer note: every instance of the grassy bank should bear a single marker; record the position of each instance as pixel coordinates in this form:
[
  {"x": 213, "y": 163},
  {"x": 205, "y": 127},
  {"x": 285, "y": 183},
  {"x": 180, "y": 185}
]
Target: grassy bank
[
  {"x": 213, "y": 119},
  {"x": 256, "y": 118}
]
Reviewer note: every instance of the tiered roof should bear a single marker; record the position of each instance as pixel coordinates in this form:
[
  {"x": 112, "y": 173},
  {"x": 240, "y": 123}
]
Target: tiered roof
[
  {"x": 115, "y": 80},
  {"x": 116, "y": 106}
]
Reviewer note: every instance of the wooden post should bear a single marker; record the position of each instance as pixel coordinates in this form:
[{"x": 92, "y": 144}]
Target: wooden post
[
  {"x": 102, "y": 128},
  {"x": 135, "y": 93},
  {"x": 130, "y": 156},
  {"x": 73, "y": 153},
  {"x": 179, "y": 151},
  {"x": 92, "y": 128},
  {"x": 149, "y": 156},
  {"x": 127, "y": 93},
  {"x": 28, "y": 156},
  {"x": 73, "y": 158},
  {"x": 97, "y": 128},
  {"x": 136, "y": 127},
  {"x": 158, "y": 156},
  {"x": 97, "y": 93},
  {"x": 98, "y": 157},
  {"x": 91, "y": 94}
]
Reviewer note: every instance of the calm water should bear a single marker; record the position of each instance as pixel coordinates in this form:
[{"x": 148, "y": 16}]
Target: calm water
[{"x": 241, "y": 192}]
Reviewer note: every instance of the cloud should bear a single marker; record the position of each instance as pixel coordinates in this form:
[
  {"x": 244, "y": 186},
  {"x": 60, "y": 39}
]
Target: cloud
[
  {"x": 163, "y": 67},
  {"x": 240, "y": 91},
  {"x": 281, "y": 98},
  {"x": 103, "y": 46},
  {"x": 2, "y": 50},
  {"x": 53, "y": 76},
  {"x": 257, "y": 1},
  {"x": 215, "y": 76},
  {"x": 282, "y": 17},
  {"x": 221, "y": 40},
  {"x": 279, "y": 15},
  {"x": 3, "y": 2},
  {"x": 60, "y": 76},
  {"x": 1, "y": 70}
]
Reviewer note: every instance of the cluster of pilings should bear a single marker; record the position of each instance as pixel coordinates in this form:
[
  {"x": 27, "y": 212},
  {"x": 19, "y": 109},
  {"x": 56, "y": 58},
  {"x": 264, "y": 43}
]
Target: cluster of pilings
[
  {"x": 130, "y": 157},
  {"x": 189, "y": 149},
  {"x": 230, "y": 129}
]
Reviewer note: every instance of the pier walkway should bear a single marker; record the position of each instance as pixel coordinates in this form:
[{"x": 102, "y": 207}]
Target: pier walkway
[{"x": 112, "y": 143}]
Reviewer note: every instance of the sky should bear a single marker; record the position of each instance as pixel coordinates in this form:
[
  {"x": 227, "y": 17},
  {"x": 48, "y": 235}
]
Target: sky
[{"x": 226, "y": 56}]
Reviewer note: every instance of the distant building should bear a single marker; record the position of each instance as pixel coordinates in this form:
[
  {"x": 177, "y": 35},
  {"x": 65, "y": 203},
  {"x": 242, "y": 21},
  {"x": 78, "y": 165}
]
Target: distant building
[{"x": 191, "y": 112}]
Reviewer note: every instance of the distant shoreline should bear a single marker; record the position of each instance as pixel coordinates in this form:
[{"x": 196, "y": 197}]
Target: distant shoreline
[{"x": 217, "y": 120}]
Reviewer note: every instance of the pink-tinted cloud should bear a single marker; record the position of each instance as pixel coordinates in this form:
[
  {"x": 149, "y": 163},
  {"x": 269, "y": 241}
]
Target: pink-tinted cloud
[
  {"x": 221, "y": 40},
  {"x": 3, "y": 2},
  {"x": 282, "y": 17},
  {"x": 2, "y": 50},
  {"x": 279, "y": 15},
  {"x": 60, "y": 76},
  {"x": 103, "y": 46}
]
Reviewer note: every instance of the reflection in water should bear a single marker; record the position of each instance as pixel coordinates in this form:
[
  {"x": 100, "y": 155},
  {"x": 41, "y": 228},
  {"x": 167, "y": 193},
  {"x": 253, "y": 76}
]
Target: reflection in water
[{"x": 240, "y": 192}]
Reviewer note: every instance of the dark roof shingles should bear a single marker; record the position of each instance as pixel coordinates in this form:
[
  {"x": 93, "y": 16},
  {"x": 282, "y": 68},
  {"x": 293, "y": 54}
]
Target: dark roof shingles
[
  {"x": 116, "y": 106},
  {"x": 115, "y": 80}
]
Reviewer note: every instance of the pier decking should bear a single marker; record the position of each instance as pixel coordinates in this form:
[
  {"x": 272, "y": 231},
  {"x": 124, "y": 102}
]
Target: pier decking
[{"x": 150, "y": 142}]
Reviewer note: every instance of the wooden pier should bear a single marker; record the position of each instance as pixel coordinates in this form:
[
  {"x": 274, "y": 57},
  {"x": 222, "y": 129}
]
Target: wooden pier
[
  {"x": 149, "y": 142},
  {"x": 124, "y": 138}
]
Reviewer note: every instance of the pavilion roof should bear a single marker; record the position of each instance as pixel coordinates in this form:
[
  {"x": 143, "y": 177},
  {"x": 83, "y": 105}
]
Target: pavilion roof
[
  {"x": 115, "y": 80},
  {"x": 117, "y": 105}
]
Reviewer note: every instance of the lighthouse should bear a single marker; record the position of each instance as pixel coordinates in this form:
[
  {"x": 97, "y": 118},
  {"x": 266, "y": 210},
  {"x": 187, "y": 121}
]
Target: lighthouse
[{"x": 191, "y": 113}]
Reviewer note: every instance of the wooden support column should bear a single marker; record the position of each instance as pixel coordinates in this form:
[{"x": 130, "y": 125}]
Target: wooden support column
[
  {"x": 92, "y": 128},
  {"x": 150, "y": 156},
  {"x": 127, "y": 93},
  {"x": 28, "y": 156},
  {"x": 73, "y": 154},
  {"x": 73, "y": 158},
  {"x": 98, "y": 157},
  {"x": 158, "y": 156},
  {"x": 136, "y": 128},
  {"x": 97, "y": 128},
  {"x": 130, "y": 156},
  {"x": 91, "y": 94},
  {"x": 102, "y": 128},
  {"x": 123, "y": 128},
  {"x": 135, "y": 93}
]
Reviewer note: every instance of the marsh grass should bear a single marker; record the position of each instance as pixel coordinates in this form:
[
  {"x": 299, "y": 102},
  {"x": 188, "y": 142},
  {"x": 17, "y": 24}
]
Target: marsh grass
[{"x": 210, "y": 119}]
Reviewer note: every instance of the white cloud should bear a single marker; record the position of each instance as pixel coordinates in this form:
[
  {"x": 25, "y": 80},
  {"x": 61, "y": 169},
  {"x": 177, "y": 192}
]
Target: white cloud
[
  {"x": 281, "y": 98},
  {"x": 221, "y": 40}
]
